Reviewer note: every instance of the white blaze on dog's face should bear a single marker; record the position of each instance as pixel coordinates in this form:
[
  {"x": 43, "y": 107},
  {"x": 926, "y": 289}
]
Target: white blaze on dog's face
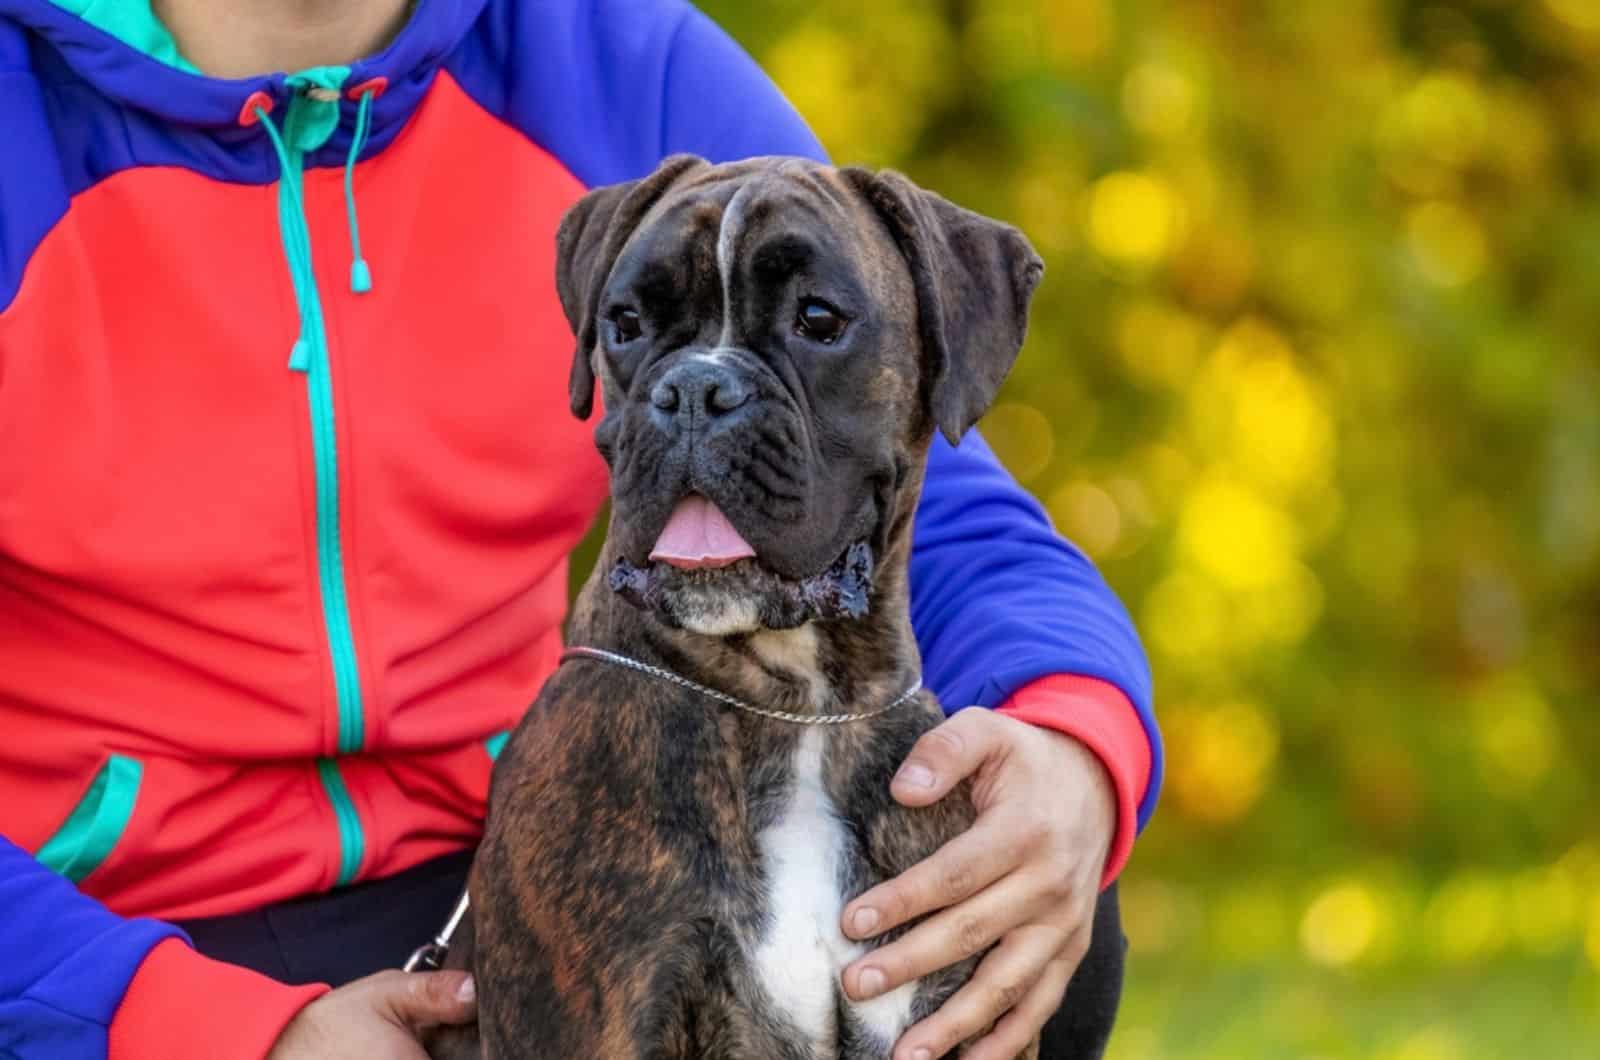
[{"x": 777, "y": 340}]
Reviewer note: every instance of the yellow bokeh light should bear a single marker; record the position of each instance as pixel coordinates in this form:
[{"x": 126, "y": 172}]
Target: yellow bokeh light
[
  {"x": 1591, "y": 938},
  {"x": 855, "y": 102},
  {"x": 1221, "y": 759},
  {"x": 1579, "y": 14},
  {"x": 1429, "y": 1043},
  {"x": 1135, "y": 219},
  {"x": 1281, "y": 433},
  {"x": 1160, "y": 343},
  {"x": 1158, "y": 99},
  {"x": 1466, "y": 920},
  {"x": 1282, "y": 613},
  {"x": 1340, "y": 924},
  {"x": 1514, "y": 730},
  {"x": 1447, "y": 243},
  {"x": 1088, "y": 515},
  {"x": 1078, "y": 32},
  {"x": 1010, "y": 40},
  {"x": 1237, "y": 537},
  {"x": 1185, "y": 617},
  {"x": 1445, "y": 114},
  {"x": 1023, "y": 438},
  {"x": 1546, "y": 906}
]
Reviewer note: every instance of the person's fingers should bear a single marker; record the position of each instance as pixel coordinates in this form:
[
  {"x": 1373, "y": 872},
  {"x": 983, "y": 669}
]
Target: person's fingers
[
  {"x": 1007, "y": 975},
  {"x": 419, "y": 1000},
  {"x": 992, "y": 847},
  {"x": 1024, "y": 1022},
  {"x": 950, "y": 936},
  {"x": 945, "y": 755}
]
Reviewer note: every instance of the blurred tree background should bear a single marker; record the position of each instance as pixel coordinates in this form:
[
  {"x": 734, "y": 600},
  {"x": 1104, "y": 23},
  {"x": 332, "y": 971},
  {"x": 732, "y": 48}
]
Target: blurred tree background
[{"x": 1314, "y": 377}]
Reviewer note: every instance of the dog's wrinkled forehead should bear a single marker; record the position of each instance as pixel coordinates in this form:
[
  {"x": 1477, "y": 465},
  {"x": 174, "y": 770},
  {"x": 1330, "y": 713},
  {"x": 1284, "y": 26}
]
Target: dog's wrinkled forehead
[{"x": 760, "y": 222}]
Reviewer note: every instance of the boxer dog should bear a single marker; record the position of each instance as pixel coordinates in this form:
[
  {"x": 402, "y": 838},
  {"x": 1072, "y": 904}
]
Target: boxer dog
[{"x": 671, "y": 835}]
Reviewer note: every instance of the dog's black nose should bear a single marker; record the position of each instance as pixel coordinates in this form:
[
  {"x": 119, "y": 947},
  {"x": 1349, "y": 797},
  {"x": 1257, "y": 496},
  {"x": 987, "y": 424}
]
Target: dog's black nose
[{"x": 699, "y": 388}]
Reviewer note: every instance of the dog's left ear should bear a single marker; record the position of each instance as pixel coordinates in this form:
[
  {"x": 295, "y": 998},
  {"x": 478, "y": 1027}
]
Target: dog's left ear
[
  {"x": 974, "y": 278},
  {"x": 592, "y": 233}
]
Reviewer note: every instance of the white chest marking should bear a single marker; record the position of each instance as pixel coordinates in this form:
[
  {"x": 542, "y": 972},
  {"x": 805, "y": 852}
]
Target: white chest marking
[{"x": 803, "y": 952}]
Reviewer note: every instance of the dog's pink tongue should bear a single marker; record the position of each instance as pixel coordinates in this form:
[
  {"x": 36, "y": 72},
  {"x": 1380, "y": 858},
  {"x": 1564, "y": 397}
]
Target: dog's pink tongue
[{"x": 699, "y": 535}]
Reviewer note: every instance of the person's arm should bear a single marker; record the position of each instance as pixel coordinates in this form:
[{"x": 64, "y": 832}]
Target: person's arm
[
  {"x": 78, "y": 981},
  {"x": 1007, "y": 614},
  {"x": 1010, "y": 615}
]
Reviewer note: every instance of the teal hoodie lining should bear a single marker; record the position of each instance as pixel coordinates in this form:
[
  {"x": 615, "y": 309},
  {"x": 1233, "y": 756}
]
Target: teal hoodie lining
[{"x": 135, "y": 24}]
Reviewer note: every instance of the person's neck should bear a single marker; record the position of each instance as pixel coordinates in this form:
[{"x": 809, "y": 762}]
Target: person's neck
[{"x": 245, "y": 38}]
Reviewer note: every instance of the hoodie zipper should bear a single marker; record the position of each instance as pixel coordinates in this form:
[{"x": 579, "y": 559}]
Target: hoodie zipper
[{"x": 305, "y": 128}]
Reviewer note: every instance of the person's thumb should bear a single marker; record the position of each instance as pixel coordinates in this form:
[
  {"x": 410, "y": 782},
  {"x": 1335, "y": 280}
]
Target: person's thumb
[{"x": 426, "y": 999}]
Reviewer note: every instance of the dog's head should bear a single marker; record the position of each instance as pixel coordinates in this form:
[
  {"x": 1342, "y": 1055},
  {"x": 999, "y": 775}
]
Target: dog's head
[{"x": 775, "y": 342}]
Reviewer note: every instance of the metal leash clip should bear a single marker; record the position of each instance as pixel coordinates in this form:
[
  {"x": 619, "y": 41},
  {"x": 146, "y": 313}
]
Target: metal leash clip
[{"x": 429, "y": 957}]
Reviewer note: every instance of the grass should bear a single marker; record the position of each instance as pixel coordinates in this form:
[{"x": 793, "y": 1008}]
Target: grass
[{"x": 1547, "y": 1010}]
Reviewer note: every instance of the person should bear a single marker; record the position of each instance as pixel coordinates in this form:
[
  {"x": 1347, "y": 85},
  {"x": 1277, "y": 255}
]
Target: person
[{"x": 287, "y": 493}]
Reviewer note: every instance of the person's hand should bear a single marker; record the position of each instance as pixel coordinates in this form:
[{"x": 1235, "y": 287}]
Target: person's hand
[
  {"x": 377, "y": 1018},
  {"x": 1027, "y": 873}
]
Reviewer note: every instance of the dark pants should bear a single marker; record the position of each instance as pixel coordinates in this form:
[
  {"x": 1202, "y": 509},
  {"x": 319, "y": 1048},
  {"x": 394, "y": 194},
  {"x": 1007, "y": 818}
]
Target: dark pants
[{"x": 354, "y": 931}]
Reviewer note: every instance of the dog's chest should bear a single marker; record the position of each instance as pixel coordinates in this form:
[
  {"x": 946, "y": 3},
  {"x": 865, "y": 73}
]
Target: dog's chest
[{"x": 801, "y": 952}]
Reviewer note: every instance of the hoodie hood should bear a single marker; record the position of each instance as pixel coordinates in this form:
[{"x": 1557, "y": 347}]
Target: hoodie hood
[{"x": 160, "y": 82}]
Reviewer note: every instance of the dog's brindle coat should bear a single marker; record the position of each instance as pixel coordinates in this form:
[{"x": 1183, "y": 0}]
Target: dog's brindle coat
[{"x": 663, "y": 876}]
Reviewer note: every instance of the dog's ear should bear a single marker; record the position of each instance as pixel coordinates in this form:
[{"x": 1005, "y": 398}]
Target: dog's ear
[
  {"x": 974, "y": 278},
  {"x": 592, "y": 233}
]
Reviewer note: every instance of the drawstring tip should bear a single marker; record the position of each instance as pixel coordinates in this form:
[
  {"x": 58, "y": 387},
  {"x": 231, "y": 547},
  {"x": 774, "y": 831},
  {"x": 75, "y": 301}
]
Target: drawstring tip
[
  {"x": 360, "y": 276},
  {"x": 300, "y": 356}
]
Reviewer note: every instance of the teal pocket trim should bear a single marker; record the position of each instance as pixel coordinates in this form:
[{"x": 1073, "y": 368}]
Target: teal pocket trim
[
  {"x": 352, "y": 843},
  {"x": 91, "y": 831},
  {"x": 497, "y": 743}
]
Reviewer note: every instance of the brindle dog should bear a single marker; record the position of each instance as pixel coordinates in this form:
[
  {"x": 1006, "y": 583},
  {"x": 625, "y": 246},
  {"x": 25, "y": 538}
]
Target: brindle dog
[{"x": 662, "y": 875}]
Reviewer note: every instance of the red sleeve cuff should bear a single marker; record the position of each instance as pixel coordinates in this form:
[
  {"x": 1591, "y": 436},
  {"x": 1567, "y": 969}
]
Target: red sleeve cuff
[
  {"x": 1100, "y": 717},
  {"x": 182, "y": 1006}
]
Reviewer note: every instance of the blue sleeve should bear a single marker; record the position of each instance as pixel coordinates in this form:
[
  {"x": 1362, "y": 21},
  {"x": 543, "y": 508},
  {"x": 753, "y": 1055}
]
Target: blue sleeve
[
  {"x": 997, "y": 597},
  {"x": 65, "y": 962}
]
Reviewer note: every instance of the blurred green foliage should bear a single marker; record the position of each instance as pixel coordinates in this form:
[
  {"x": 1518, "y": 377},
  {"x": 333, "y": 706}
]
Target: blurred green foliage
[{"x": 1314, "y": 375}]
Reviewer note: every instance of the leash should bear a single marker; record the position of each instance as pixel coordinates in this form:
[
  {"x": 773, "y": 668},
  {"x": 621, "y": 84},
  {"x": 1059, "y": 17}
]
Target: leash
[
  {"x": 430, "y": 956},
  {"x": 711, "y": 693}
]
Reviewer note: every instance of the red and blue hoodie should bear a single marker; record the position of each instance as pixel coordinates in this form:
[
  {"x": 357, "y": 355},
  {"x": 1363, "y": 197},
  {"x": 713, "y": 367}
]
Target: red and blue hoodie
[{"x": 288, "y": 483}]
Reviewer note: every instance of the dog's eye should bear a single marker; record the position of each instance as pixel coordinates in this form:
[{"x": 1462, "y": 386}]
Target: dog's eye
[
  {"x": 625, "y": 326},
  {"x": 819, "y": 321}
]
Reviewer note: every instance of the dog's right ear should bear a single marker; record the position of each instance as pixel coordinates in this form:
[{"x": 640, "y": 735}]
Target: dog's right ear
[
  {"x": 592, "y": 233},
  {"x": 974, "y": 278}
]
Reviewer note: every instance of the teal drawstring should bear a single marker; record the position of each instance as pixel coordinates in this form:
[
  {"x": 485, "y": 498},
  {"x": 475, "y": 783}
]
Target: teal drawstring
[
  {"x": 296, "y": 241},
  {"x": 360, "y": 275}
]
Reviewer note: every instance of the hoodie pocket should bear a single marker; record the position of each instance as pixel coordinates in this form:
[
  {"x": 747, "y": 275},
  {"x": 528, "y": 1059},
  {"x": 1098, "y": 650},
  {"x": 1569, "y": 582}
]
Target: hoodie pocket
[{"x": 90, "y": 832}]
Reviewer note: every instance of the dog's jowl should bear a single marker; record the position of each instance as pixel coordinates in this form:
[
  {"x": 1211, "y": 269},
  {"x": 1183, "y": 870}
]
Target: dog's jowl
[{"x": 672, "y": 833}]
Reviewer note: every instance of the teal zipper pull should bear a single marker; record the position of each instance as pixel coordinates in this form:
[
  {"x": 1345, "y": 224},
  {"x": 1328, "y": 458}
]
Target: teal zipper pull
[{"x": 300, "y": 357}]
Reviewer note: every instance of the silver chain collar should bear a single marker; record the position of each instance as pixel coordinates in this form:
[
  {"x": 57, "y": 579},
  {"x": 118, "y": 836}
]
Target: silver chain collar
[{"x": 711, "y": 693}]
